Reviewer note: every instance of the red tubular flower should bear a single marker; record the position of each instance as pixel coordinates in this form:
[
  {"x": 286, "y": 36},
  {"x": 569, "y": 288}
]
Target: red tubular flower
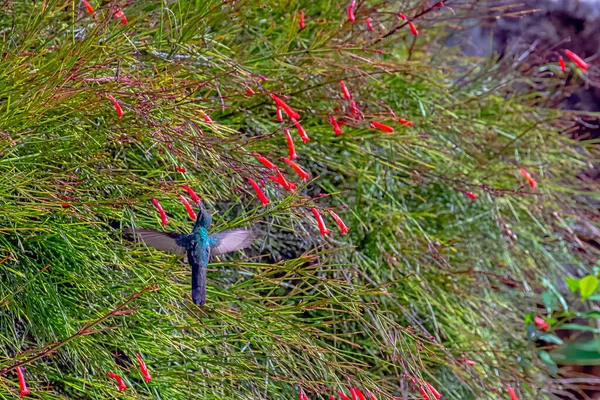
[
  {"x": 471, "y": 195},
  {"x": 354, "y": 111},
  {"x": 263, "y": 78},
  {"x": 466, "y": 361},
  {"x": 532, "y": 183},
  {"x": 331, "y": 397},
  {"x": 206, "y": 117},
  {"x": 511, "y": 392},
  {"x": 433, "y": 390},
  {"x": 265, "y": 161},
  {"x": 192, "y": 194},
  {"x": 250, "y": 91},
  {"x": 342, "y": 395},
  {"x": 357, "y": 394},
  {"x": 413, "y": 29},
  {"x": 369, "y": 24},
  {"x": 288, "y": 110},
  {"x": 322, "y": 228},
  {"x": 302, "y": 25},
  {"x": 278, "y": 114},
  {"x": 290, "y": 144},
  {"x": 525, "y": 174},
  {"x": 406, "y": 122},
  {"x": 343, "y": 228},
  {"x": 303, "y": 396},
  {"x": 261, "y": 196},
  {"x": 88, "y": 6},
  {"x": 118, "y": 13},
  {"x": 23, "y": 391},
  {"x": 283, "y": 182},
  {"x": 439, "y": 4},
  {"x": 301, "y": 131},
  {"x": 540, "y": 323},
  {"x": 120, "y": 382},
  {"x": 188, "y": 207},
  {"x": 350, "y": 10},
  {"x": 144, "y": 369},
  {"x": 336, "y": 126},
  {"x": 117, "y": 105},
  {"x": 163, "y": 214},
  {"x": 181, "y": 169},
  {"x": 124, "y": 20},
  {"x": 303, "y": 174},
  {"x": 577, "y": 60},
  {"x": 561, "y": 62},
  {"x": 401, "y": 16},
  {"x": 345, "y": 90},
  {"x": 383, "y": 127}
]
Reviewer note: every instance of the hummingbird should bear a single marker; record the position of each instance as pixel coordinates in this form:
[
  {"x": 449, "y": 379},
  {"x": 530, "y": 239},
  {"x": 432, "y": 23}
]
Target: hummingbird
[{"x": 198, "y": 246}]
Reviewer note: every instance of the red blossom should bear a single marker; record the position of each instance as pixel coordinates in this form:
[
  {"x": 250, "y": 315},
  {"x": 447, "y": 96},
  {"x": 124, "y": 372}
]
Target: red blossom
[
  {"x": 439, "y": 4},
  {"x": 406, "y": 122},
  {"x": 163, "y": 214},
  {"x": 511, "y": 392},
  {"x": 278, "y": 114},
  {"x": 302, "y": 20},
  {"x": 471, "y": 195},
  {"x": 124, "y": 20},
  {"x": 401, "y": 16},
  {"x": 577, "y": 60},
  {"x": 322, "y": 228},
  {"x": 336, "y": 126},
  {"x": 261, "y": 196},
  {"x": 345, "y": 90},
  {"x": 303, "y": 174},
  {"x": 195, "y": 198},
  {"x": 301, "y": 131},
  {"x": 265, "y": 161},
  {"x": 424, "y": 386},
  {"x": 144, "y": 369},
  {"x": 250, "y": 91},
  {"x": 118, "y": 13},
  {"x": 340, "y": 223},
  {"x": 466, "y": 361},
  {"x": 23, "y": 391},
  {"x": 561, "y": 62},
  {"x": 88, "y": 6},
  {"x": 290, "y": 144},
  {"x": 282, "y": 181},
  {"x": 525, "y": 174},
  {"x": 206, "y": 117},
  {"x": 120, "y": 382},
  {"x": 303, "y": 396},
  {"x": 181, "y": 169},
  {"x": 540, "y": 323},
  {"x": 263, "y": 78},
  {"x": 369, "y": 24},
  {"x": 288, "y": 110},
  {"x": 383, "y": 127},
  {"x": 116, "y": 104},
  {"x": 342, "y": 395},
  {"x": 413, "y": 28},
  {"x": 351, "y": 16},
  {"x": 357, "y": 394},
  {"x": 532, "y": 183},
  {"x": 354, "y": 111},
  {"x": 188, "y": 207}
]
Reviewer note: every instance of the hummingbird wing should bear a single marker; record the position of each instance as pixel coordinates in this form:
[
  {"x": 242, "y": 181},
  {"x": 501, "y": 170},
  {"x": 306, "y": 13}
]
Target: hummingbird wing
[
  {"x": 169, "y": 242},
  {"x": 231, "y": 240}
]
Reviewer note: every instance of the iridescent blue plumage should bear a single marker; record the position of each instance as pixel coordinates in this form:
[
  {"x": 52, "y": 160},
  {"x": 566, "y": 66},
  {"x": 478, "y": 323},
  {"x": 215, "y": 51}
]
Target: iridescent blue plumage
[{"x": 198, "y": 246}]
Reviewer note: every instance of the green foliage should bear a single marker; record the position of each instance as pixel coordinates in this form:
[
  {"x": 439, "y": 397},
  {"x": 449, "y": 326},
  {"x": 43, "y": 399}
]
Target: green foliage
[{"x": 425, "y": 276}]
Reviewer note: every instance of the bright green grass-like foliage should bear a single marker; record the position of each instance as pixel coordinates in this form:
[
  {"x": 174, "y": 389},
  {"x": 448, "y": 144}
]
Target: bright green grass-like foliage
[{"x": 424, "y": 277}]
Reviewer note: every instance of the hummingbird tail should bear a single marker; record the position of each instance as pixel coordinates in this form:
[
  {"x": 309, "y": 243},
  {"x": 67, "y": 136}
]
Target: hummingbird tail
[{"x": 199, "y": 285}]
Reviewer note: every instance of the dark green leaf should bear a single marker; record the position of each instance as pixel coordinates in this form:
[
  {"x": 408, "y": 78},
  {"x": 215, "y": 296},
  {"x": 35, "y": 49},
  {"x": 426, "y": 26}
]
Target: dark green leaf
[
  {"x": 550, "y": 363},
  {"x": 548, "y": 337},
  {"x": 549, "y": 301},
  {"x": 577, "y": 327},
  {"x": 578, "y": 353}
]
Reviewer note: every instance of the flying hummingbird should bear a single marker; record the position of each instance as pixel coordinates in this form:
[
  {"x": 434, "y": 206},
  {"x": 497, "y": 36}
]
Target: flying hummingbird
[{"x": 198, "y": 246}]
